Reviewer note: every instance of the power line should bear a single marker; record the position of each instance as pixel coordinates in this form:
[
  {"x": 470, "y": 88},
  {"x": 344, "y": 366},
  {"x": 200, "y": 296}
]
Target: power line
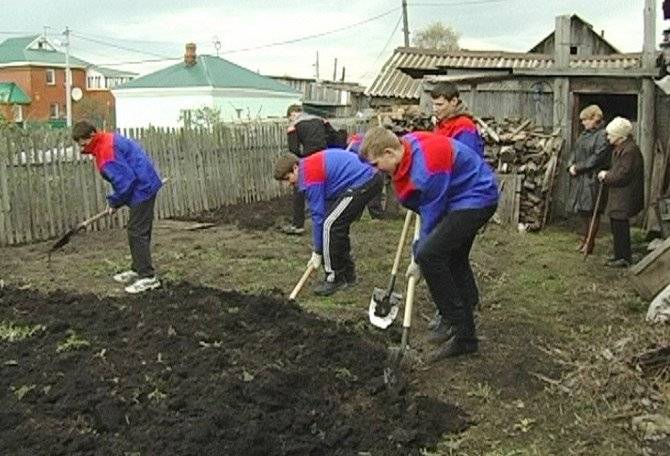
[
  {"x": 458, "y": 3},
  {"x": 388, "y": 41},
  {"x": 123, "y": 48},
  {"x": 316, "y": 35}
]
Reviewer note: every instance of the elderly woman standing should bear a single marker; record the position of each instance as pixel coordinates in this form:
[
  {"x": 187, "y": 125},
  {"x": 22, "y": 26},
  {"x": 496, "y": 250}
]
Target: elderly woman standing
[
  {"x": 592, "y": 153},
  {"x": 625, "y": 181}
]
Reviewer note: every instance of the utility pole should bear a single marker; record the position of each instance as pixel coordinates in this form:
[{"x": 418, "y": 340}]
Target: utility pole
[
  {"x": 335, "y": 70},
  {"x": 316, "y": 66},
  {"x": 405, "y": 26},
  {"x": 68, "y": 79}
]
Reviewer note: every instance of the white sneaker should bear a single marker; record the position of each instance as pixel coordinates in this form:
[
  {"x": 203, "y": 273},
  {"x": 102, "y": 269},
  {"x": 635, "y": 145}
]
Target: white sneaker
[
  {"x": 125, "y": 277},
  {"x": 142, "y": 285}
]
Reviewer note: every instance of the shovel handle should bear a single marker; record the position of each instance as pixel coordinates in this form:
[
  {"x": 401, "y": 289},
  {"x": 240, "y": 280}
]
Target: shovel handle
[
  {"x": 301, "y": 282},
  {"x": 411, "y": 282},
  {"x": 92, "y": 219},
  {"x": 401, "y": 243}
]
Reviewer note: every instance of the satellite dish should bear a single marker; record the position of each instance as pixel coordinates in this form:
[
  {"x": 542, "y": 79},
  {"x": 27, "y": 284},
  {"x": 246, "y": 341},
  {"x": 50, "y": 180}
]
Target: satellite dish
[{"x": 77, "y": 93}]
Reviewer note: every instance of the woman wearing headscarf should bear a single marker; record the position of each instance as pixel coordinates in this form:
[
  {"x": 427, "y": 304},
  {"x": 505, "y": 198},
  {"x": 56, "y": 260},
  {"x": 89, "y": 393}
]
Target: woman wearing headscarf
[
  {"x": 592, "y": 154},
  {"x": 625, "y": 180}
]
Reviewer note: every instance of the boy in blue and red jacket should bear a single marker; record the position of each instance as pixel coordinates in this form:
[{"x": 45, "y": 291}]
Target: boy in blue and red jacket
[
  {"x": 455, "y": 193},
  {"x": 337, "y": 185},
  {"x": 135, "y": 183},
  {"x": 453, "y": 119}
]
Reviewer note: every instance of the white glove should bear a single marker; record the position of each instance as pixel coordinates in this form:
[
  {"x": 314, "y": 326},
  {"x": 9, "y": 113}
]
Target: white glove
[
  {"x": 413, "y": 270},
  {"x": 314, "y": 261}
]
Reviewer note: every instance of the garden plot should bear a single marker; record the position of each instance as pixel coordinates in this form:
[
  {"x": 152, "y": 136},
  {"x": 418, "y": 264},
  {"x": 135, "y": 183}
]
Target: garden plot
[{"x": 193, "y": 370}]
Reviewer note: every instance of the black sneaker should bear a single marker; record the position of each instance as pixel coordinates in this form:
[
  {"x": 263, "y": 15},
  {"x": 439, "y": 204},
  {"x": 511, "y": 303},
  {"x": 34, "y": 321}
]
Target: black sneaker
[
  {"x": 437, "y": 318},
  {"x": 452, "y": 348},
  {"x": 350, "y": 276},
  {"x": 327, "y": 288},
  {"x": 618, "y": 263},
  {"x": 441, "y": 333}
]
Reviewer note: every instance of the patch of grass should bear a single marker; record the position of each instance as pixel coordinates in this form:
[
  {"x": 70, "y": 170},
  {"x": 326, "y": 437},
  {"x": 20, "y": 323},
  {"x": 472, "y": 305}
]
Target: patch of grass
[
  {"x": 12, "y": 332},
  {"x": 72, "y": 343},
  {"x": 21, "y": 391}
]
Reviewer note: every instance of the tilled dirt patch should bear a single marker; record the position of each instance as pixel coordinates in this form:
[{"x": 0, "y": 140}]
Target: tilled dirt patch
[
  {"x": 256, "y": 215},
  {"x": 191, "y": 370}
]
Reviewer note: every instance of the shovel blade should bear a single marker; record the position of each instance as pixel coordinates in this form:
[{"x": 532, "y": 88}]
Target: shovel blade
[{"x": 383, "y": 308}]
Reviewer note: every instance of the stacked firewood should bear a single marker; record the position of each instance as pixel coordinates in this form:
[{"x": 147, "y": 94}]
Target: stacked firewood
[
  {"x": 513, "y": 145},
  {"x": 517, "y": 146}
]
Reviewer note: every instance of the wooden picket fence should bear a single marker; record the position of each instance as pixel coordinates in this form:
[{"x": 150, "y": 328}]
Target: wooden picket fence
[{"x": 47, "y": 186}]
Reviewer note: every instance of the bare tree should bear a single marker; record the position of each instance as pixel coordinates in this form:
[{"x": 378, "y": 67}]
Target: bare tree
[{"x": 437, "y": 36}]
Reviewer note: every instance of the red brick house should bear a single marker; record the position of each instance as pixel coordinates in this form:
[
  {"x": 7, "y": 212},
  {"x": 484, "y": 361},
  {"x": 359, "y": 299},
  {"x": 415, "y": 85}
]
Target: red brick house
[{"x": 38, "y": 69}]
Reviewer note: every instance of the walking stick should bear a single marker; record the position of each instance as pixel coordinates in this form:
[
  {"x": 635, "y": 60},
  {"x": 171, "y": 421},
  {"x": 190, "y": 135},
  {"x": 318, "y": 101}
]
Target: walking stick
[{"x": 592, "y": 225}]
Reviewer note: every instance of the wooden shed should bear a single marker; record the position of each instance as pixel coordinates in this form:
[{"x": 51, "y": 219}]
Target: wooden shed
[{"x": 572, "y": 67}]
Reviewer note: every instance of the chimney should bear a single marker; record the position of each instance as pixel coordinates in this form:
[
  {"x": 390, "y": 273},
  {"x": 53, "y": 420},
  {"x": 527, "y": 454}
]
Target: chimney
[
  {"x": 190, "y": 55},
  {"x": 602, "y": 33}
]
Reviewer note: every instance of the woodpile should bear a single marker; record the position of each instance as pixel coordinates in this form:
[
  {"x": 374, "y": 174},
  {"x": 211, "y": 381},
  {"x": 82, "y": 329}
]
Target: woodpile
[{"x": 516, "y": 146}]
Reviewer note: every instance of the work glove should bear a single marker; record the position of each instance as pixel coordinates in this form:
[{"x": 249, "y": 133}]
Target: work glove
[
  {"x": 314, "y": 261},
  {"x": 413, "y": 270}
]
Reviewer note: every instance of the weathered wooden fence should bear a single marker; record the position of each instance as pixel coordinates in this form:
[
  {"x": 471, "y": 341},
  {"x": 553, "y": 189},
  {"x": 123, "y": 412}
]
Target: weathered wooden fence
[{"x": 47, "y": 186}]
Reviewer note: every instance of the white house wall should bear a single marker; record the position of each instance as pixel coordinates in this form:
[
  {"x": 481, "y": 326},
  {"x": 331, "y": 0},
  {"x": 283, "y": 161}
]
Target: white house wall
[{"x": 139, "y": 108}]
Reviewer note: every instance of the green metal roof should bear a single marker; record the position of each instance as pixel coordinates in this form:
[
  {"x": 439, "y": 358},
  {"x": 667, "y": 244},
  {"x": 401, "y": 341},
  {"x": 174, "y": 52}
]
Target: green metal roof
[
  {"x": 10, "y": 93},
  {"x": 15, "y": 50},
  {"x": 208, "y": 71},
  {"x": 112, "y": 73}
]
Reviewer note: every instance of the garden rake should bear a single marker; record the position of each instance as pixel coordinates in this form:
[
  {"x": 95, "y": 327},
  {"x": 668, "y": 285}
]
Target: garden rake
[{"x": 397, "y": 354}]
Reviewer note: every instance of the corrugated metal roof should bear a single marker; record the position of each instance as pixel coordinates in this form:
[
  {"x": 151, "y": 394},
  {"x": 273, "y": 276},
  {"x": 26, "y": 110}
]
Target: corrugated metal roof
[
  {"x": 18, "y": 50},
  {"x": 209, "y": 71},
  {"x": 11, "y": 93},
  {"x": 395, "y": 81}
]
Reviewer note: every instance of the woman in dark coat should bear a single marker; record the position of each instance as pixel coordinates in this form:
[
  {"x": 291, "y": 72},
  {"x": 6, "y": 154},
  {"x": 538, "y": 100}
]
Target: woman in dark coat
[
  {"x": 625, "y": 181},
  {"x": 592, "y": 154}
]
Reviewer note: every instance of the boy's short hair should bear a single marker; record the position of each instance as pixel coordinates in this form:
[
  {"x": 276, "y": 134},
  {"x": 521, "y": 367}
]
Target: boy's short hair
[
  {"x": 591, "y": 112},
  {"x": 284, "y": 165},
  {"x": 448, "y": 90},
  {"x": 293, "y": 108},
  {"x": 83, "y": 130},
  {"x": 376, "y": 140}
]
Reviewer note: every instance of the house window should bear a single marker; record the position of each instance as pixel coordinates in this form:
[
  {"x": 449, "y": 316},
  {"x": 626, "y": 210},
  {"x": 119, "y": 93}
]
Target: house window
[
  {"x": 54, "y": 111},
  {"x": 51, "y": 76},
  {"x": 573, "y": 50},
  {"x": 17, "y": 111}
]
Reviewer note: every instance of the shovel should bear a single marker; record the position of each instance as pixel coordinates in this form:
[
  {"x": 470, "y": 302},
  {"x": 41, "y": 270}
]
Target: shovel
[
  {"x": 396, "y": 354},
  {"x": 590, "y": 234},
  {"x": 65, "y": 239},
  {"x": 384, "y": 302},
  {"x": 301, "y": 282}
]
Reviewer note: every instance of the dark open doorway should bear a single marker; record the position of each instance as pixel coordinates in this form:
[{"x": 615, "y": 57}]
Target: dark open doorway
[{"x": 612, "y": 105}]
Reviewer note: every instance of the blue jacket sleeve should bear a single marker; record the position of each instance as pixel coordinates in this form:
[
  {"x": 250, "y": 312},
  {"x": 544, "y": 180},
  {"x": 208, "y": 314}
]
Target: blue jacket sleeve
[
  {"x": 122, "y": 178},
  {"x": 471, "y": 139},
  {"x": 316, "y": 198}
]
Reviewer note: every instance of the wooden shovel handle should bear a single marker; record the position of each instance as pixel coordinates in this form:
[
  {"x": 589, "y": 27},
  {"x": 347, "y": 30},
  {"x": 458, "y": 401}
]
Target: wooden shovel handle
[
  {"x": 401, "y": 243},
  {"x": 411, "y": 282},
  {"x": 301, "y": 282},
  {"x": 592, "y": 224},
  {"x": 90, "y": 220}
]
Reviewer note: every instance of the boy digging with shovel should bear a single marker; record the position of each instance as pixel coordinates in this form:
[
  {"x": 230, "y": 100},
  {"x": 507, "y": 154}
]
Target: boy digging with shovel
[
  {"x": 337, "y": 186},
  {"x": 455, "y": 193},
  {"x": 135, "y": 183}
]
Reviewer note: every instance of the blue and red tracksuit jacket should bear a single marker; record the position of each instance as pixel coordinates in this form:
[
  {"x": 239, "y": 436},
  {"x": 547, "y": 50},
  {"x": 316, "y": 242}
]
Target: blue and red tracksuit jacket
[
  {"x": 323, "y": 177},
  {"x": 437, "y": 175},
  {"x": 463, "y": 129},
  {"x": 124, "y": 164}
]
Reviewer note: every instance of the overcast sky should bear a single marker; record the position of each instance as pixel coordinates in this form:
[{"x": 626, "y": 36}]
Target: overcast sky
[{"x": 117, "y": 31}]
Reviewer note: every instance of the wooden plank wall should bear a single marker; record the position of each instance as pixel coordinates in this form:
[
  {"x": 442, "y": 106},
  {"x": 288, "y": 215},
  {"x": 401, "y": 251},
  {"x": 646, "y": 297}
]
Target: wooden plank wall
[{"x": 47, "y": 186}]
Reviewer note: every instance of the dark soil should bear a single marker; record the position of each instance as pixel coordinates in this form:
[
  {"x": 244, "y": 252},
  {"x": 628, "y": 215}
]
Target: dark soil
[
  {"x": 257, "y": 215},
  {"x": 191, "y": 370}
]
